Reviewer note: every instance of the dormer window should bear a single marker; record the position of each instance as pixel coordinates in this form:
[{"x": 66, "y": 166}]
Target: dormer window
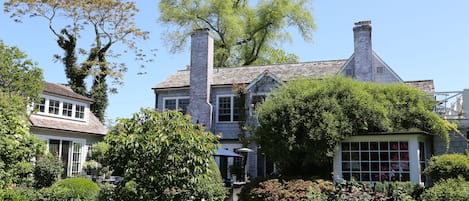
[
  {"x": 40, "y": 107},
  {"x": 54, "y": 106},
  {"x": 178, "y": 103},
  {"x": 80, "y": 111},
  {"x": 67, "y": 109}
]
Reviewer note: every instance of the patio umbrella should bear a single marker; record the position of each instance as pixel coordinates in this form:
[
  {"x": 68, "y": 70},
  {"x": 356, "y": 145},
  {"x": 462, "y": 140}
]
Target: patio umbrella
[{"x": 227, "y": 153}]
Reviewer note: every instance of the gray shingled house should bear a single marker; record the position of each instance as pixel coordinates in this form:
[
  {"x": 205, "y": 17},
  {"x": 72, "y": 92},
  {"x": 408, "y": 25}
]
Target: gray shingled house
[
  {"x": 206, "y": 93},
  {"x": 64, "y": 121}
]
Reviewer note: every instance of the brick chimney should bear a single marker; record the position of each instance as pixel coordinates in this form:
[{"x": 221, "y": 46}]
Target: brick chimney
[
  {"x": 363, "y": 69},
  {"x": 201, "y": 70}
]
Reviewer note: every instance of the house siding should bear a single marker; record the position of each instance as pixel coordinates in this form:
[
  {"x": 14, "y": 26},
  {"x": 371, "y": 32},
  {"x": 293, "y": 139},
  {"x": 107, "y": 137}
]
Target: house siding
[{"x": 167, "y": 94}]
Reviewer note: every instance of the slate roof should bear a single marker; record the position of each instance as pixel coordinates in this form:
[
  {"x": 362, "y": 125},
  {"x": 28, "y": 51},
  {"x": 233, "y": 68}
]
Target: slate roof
[
  {"x": 285, "y": 72},
  {"x": 246, "y": 74},
  {"x": 65, "y": 91},
  {"x": 93, "y": 126}
]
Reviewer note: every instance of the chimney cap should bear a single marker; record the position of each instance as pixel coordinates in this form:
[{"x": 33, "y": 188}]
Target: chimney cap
[
  {"x": 361, "y": 23},
  {"x": 201, "y": 30}
]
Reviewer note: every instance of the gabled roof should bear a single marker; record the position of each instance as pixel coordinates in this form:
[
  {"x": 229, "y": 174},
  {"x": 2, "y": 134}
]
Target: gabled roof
[
  {"x": 284, "y": 72},
  {"x": 92, "y": 126},
  {"x": 64, "y": 91}
]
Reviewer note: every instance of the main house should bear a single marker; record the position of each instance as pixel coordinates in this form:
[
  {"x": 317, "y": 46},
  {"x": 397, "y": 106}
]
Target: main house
[
  {"x": 208, "y": 95},
  {"x": 66, "y": 124}
]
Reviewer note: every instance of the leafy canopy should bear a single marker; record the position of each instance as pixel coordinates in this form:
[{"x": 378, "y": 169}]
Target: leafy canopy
[
  {"x": 302, "y": 122},
  {"x": 21, "y": 83},
  {"x": 244, "y": 35},
  {"x": 162, "y": 156},
  {"x": 108, "y": 23}
]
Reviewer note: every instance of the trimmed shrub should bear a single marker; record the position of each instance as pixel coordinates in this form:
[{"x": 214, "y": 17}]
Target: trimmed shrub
[
  {"x": 72, "y": 188},
  {"x": 211, "y": 186},
  {"x": 448, "y": 166},
  {"x": 47, "y": 171},
  {"x": 274, "y": 189},
  {"x": 454, "y": 189}
]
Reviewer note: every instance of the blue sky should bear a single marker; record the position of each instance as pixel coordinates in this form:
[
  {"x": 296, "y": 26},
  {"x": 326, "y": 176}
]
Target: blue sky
[{"x": 417, "y": 39}]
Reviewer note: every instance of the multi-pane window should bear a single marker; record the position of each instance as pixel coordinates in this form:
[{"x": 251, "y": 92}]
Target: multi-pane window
[
  {"x": 180, "y": 104},
  {"x": 79, "y": 111},
  {"x": 228, "y": 110},
  {"x": 67, "y": 109},
  {"x": 76, "y": 158},
  {"x": 376, "y": 161},
  {"x": 40, "y": 106},
  {"x": 54, "y": 106}
]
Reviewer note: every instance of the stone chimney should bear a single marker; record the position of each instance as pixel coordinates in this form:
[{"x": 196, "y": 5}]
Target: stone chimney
[
  {"x": 363, "y": 69},
  {"x": 201, "y": 70}
]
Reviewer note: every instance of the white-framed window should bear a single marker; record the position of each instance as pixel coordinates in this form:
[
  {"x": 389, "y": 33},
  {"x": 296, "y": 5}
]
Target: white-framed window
[
  {"x": 375, "y": 161},
  {"x": 54, "y": 106},
  {"x": 41, "y": 105},
  {"x": 79, "y": 111},
  {"x": 176, "y": 103},
  {"x": 62, "y": 108},
  {"x": 67, "y": 109},
  {"x": 227, "y": 109}
]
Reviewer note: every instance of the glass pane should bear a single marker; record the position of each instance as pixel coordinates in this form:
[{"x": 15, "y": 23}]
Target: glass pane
[
  {"x": 365, "y": 166},
  {"x": 182, "y": 105},
  {"x": 345, "y": 166},
  {"x": 394, "y": 145},
  {"x": 345, "y": 156},
  {"x": 394, "y": 156},
  {"x": 355, "y": 156},
  {"x": 354, "y": 146},
  {"x": 355, "y": 166},
  {"x": 54, "y": 147},
  {"x": 373, "y": 146},
  {"x": 375, "y": 166},
  {"x": 356, "y": 176},
  {"x": 170, "y": 104},
  {"x": 364, "y": 146},
  {"x": 404, "y": 146},
  {"x": 404, "y": 156},
  {"x": 384, "y": 166},
  {"x": 365, "y": 177},
  {"x": 421, "y": 151},
  {"x": 365, "y": 156},
  {"x": 374, "y": 156},
  {"x": 384, "y": 156},
  {"x": 383, "y": 146}
]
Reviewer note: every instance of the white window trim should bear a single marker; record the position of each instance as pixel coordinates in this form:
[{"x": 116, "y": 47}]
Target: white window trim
[
  {"x": 61, "y": 101},
  {"x": 70, "y": 157},
  {"x": 177, "y": 98},
  {"x": 231, "y": 109},
  {"x": 413, "y": 143}
]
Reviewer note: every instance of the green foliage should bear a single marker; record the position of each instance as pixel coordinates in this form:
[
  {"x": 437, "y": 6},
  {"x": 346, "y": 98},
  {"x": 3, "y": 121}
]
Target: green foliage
[
  {"x": 47, "y": 171},
  {"x": 20, "y": 84},
  {"x": 448, "y": 166},
  {"x": 211, "y": 186},
  {"x": 244, "y": 35},
  {"x": 399, "y": 190},
  {"x": 110, "y": 23},
  {"x": 72, "y": 189},
  {"x": 161, "y": 156},
  {"x": 297, "y": 189},
  {"x": 106, "y": 192},
  {"x": 454, "y": 189},
  {"x": 19, "y": 194},
  {"x": 19, "y": 75},
  {"x": 302, "y": 122}
]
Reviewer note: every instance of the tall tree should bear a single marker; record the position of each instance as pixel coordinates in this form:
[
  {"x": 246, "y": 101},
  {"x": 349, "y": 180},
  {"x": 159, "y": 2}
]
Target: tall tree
[
  {"x": 244, "y": 35},
  {"x": 21, "y": 83},
  {"x": 302, "y": 123},
  {"x": 108, "y": 22}
]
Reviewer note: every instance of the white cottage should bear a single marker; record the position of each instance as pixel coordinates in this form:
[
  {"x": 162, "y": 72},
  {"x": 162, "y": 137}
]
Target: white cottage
[{"x": 64, "y": 121}]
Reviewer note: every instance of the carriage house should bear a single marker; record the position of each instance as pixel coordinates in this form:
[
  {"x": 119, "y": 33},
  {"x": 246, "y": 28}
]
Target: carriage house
[
  {"x": 207, "y": 94},
  {"x": 64, "y": 121}
]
